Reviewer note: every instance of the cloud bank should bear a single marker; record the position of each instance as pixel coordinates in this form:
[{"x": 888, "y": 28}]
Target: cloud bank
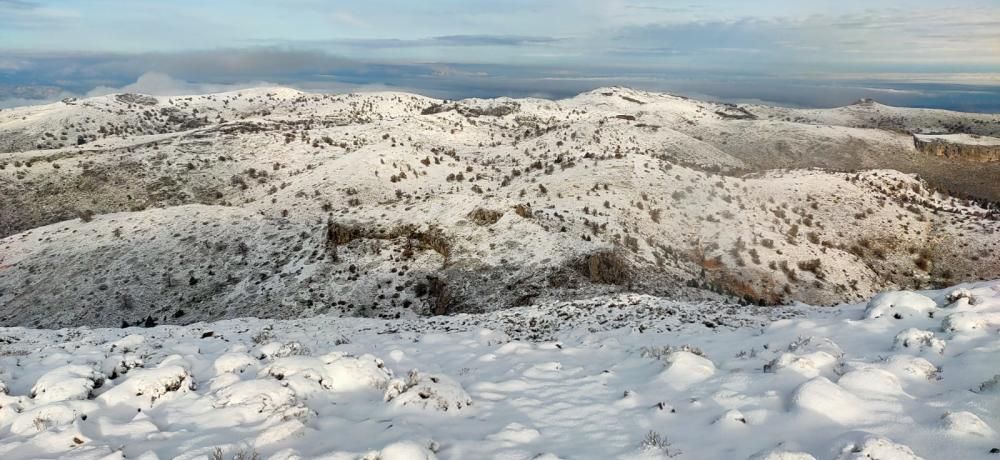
[{"x": 820, "y": 53}]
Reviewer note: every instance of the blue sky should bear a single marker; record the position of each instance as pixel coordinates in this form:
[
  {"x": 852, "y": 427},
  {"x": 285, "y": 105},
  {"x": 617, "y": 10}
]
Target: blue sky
[{"x": 511, "y": 47}]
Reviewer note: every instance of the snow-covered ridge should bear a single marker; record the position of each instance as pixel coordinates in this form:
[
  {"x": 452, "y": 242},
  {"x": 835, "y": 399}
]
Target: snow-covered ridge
[
  {"x": 964, "y": 139},
  {"x": 905, "y": 375},
  {"x": 276, "y": 203}
]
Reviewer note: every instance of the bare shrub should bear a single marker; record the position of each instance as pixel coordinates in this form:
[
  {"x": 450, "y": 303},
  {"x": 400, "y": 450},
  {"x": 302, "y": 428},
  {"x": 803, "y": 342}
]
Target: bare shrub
[
  {"x": 815, "y": 266},
  {"x": 606, "y": 267},
  {"x": 482, "y": 216},
  {"x": 655, "y": 214},
  {"x": 924, "y": 260},
  {"x": 655, "y": 441},
  {"x": 85, "y": 215},
  {"x": 661, "y": 352}
]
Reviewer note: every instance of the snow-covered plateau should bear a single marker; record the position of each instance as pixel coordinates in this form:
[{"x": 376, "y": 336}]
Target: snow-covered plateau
[{"x": 905, "y": 375}]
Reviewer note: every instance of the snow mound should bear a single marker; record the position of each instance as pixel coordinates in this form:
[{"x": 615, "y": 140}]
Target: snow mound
[
  {"x": 305, "y": 375},
  {"x": 966, "y": 423},
  {"x": 779, "y": 454},
  {"x": 149, "y": 385},
  {"x": 871, "y": 381},
  {"x": 809, "y": 365},
  {"x": 867, "y": 446},
  {"x": 969, "y": 321},
  {"x": 808, "y": 356},
  {"x": 235, "y": 363},
  {"x": 336, "y": 372},
  {"x": 120, "y": 364},
  {"x": 264, "y": 395},
  {"x": 70, "y": 382},
  {"x": 908, "y": 367},
  {"x": 917, "y": 340},
  {"x": 274, "y": 350},
  {"x": 813, "y": 344},
  {"x": 684, "y": 369},
  {"x": 963, "y": 294},
  {"x": 51, "y": 415},
  {"x": 428, "y": 391},
  {"x": 732, "y": 419},
  {"x": 349, "y": 373},
  {"x": 515, "y": 433},
  {"x": 901, "y": 304},
  {"x": 822, "y": 397},
  {"x": 129, "y": 343},
  {"x": 403, "y": 450}
]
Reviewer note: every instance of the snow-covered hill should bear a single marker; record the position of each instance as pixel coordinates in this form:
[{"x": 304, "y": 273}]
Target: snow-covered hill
[
  {"x": 276, "y": 203},
  {"x": 905, "y": 375},
  {"x": 867, "y": 113}
]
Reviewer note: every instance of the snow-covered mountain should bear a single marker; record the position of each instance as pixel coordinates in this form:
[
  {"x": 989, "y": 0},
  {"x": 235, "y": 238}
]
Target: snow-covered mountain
[
  {"x": 904, "y": 376},
  {"x": 276, "y": 203}
]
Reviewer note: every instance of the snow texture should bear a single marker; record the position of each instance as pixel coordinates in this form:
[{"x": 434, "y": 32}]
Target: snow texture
[{"x": 554, "y": 381}]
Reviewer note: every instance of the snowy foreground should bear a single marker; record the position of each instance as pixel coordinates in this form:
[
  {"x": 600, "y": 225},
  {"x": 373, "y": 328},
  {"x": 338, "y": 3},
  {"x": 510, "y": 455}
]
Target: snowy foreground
[{"x": 907, "y": 375}]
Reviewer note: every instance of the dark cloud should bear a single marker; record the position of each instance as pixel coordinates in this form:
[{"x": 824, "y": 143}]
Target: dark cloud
[
  {"x": 25, "y": 15},
  {"x": 93, "y": 69},
  {"x": 18, "y": 4},
  {"x": 439, "y": 41}
]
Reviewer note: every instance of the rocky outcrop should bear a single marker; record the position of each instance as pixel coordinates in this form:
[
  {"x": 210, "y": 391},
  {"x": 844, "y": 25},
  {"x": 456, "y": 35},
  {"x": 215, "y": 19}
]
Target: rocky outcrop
[{"x": 961, "y": 147}]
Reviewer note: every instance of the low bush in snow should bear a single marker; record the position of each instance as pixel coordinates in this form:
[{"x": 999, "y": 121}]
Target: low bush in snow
[{"x": 428, "y": 391}]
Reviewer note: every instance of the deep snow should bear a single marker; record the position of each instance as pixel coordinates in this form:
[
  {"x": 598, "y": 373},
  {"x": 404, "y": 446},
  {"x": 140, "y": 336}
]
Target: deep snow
[{"x": 906, "y": 375}]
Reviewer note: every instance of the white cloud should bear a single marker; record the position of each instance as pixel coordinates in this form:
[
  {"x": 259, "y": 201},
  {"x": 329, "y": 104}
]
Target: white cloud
[{"x": 160, "y": 84}]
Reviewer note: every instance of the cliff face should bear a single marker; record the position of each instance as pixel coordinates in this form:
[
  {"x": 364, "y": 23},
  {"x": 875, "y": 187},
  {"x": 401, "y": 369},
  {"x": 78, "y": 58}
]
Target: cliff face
[{"x": 962, "y": 147}]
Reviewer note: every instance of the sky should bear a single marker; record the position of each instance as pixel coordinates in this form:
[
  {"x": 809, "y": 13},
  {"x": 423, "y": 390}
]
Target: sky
[{"x": 789, "y": 52}]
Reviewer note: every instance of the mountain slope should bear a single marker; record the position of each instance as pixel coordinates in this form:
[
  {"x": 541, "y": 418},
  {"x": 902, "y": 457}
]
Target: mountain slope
[{"x": 288, "y": 204}]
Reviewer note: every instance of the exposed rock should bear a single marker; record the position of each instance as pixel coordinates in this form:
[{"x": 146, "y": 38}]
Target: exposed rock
[{"x": 959, "y": 146}]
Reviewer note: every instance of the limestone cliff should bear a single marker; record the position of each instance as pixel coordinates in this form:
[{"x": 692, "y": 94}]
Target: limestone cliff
[{"x": 959, "y": 146}]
